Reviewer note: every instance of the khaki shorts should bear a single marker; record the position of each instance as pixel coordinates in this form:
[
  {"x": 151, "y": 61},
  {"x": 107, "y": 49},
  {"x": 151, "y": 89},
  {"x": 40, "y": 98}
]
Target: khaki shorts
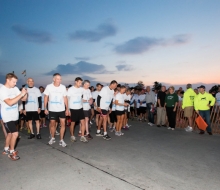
[{"x": 188, "y": 111}]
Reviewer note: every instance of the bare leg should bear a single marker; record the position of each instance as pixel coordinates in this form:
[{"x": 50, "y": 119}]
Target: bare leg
[
  {"x": 82, "y": 126},
  {"x": 3, "y": 128},
  {"x": 30, "y": 126},
  {"x": 87, "y": 125},
  {"x": 52, "y": 128},
  {"x": 14, "y": 137},
  {"x": 62, "y": 129},
  {"x": 38, "y": 126},
  {"x": 8, "y": 140},
  {"x": 72, "y": 126},
  {"x": 100, "y": 123}
]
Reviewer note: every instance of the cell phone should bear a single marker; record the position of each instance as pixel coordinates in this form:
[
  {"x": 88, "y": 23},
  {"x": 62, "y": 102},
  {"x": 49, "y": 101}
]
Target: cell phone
[{"x": 26, "y": 86}]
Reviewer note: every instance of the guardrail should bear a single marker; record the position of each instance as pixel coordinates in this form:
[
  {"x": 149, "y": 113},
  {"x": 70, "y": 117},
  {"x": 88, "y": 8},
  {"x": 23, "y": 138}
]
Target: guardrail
[{"x": 182, "y": 122}]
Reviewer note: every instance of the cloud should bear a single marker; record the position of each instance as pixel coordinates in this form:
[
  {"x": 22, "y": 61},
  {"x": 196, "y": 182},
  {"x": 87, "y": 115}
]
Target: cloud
[
  {"x": 82, "y": 58},
  {"x": 143, "y": 44},
  {"x": 31, "y": 35},
  {"x": 104, "y": 30},
  {"x": 124, "y": 67},
  {"x": 81, "y": 67}
]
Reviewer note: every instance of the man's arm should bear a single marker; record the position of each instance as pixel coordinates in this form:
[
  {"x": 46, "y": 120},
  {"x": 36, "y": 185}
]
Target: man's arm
[
  {"x": 15, "y": 100},
  {"x": 45, "y": 103}
]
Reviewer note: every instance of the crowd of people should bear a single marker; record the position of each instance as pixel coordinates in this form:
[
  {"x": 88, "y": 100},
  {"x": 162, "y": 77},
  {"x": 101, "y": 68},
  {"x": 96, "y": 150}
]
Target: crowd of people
[{"x": 108, "y": 106}]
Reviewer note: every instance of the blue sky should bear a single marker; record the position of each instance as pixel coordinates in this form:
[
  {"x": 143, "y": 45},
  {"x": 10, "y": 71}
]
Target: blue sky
[{"x": 173, "y": 42}]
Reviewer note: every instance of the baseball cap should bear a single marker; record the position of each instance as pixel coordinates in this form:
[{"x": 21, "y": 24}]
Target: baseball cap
[{"x": 202, "y": 86}]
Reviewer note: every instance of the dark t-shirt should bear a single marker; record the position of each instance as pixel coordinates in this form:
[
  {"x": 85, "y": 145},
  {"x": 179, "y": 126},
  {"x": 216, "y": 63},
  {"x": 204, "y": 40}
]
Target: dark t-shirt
[
  {"x": 161, "y": 95},
  {"x": 171, "y": 99}
]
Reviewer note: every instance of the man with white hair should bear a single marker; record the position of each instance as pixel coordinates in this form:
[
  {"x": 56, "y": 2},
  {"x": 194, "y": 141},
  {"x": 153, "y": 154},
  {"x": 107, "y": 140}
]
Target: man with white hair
[{"x": 188, "y": 105}]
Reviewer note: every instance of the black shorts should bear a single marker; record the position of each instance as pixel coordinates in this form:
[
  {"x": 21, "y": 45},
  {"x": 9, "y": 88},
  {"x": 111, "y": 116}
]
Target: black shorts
[
  {"x": 104, "y": 112},
  {"x": 32, "y": 115},
  {"x": 42, "y": 114},
  {"x": 77, "y": 115},
  {"x": 113, "y": 117},
  {"x": 11, "y": 126},
  {"x": 97, "y": 113},
  {"x": 131, "y": 109},
  {"x": 57, "y": 115},
  {"x": 22, "y": 117},
  {"x": 87, "y": 113},
  {"x": 117, "y": 112},
  {"x": 138, "y": 111},
  {"x": 143, "y": 110},
  {"x": 92, "y": 106}
]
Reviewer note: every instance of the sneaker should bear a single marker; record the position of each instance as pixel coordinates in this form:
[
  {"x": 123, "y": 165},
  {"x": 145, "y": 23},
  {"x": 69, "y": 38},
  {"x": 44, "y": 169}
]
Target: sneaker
[
  {"x": 14, "y": 156},
  {"x": 44, "y": 125},
  {"x": 90, "y": 123},
  {"x": 31, "y": 136},
  {"x": 112, "y": 129},
  {"x": 89, "y": 137},
  {"x": 57, "y": 133},
  {"x": 83, "y": 139},
  {"x": 52, "y": 141},
  {"x": 125, "y": 128},
  {"x": 121, "y": 133},
  {"x": 106, "y": 137},
  {"x": 117, "y": 133},
  {"x": 62, "y": 143},
  {"x": 73, "y": 139},
  {"x": 100, "y": 134},
  {"x": 39, "y": 136},
  {"x": 79, "y": 134},
  {"x": 173, "y": 129},
  {"x": 187, "y": 128},
  {"x": 41, "y": 126},
  {"x": 128, "y": 126},
  {"x": 6, "y": 152},
  {"x": 169, "y": 128},
  {"x": 190, "y": 129}
]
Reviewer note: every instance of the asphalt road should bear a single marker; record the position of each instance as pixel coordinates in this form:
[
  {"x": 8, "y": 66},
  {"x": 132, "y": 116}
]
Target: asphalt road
[{"x": 146, "y": 157}]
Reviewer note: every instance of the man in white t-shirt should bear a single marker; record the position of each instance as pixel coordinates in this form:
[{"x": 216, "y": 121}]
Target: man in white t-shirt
[
  {"x": 74, "y": 95},
  {"x": 42, "y": 114},
  {"x": 9, "y": 97},
  {"x": 104, "y": 102},
  {"x": 55, "y": 95},
  {"x": 94, "y": 96},
  {"x": 87, "y": 101},
  {"x": 33, "y": 108}
]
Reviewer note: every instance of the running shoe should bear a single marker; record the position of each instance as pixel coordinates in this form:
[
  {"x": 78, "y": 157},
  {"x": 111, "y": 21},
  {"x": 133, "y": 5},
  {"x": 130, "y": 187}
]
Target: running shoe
[
  {"x": 172, "y": 129},
  {"x": 14, "y": 156},
  {"x": 121, "y": 133},
  {"x": 6, "y": 152},
  {"x": 117, "y": 133},
  {"x": 83, "y": 139},
  {"x": 100, "y": 134},
  {"x": 73, "y": 139},
  {"x": 44, "y": 125},
  {"x": 106, "y": 137},
  {"x": 41, "y": 126},
  {"x": 31, "y": 136},
  {"x": 187, "y": 128},
  {"x": 90, "y": 122},
  {"x": 125, "y": 128},
  {"x": 39, "y": 136},
  {"x": 62, "y": 143},
  {"x": 57, "y": 133},
  {"x": 112, "y": 129},
  {"x": 89, "y": 137},
  {"x": 190, "y": 129},
  {"x": 52, "y": 141},
  {"x": 169, "y": 128},
  {"x": 79, "y": 134}
]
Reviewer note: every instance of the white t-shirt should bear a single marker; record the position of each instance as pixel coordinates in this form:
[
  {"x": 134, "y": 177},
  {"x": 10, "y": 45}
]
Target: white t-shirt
[
  {"x": 9, "y": 113},
  {"x": 127, "y": 97},
  {"x": 32, "y": 99},
  {"x": 120, "y": 98},
  {"x": 113, "y": 104},
  {"x": 75, "y": 97},
  {"x": 94, "y": 96},
  {"x": 56, "y": 95},
  {"x": 217, "y": 96},
  {"x": 42, "y": 100},
  {"x": 86, "y": 96},
  {"x": 142, "y": 98},
  {"x": 107, "y": 95}
]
